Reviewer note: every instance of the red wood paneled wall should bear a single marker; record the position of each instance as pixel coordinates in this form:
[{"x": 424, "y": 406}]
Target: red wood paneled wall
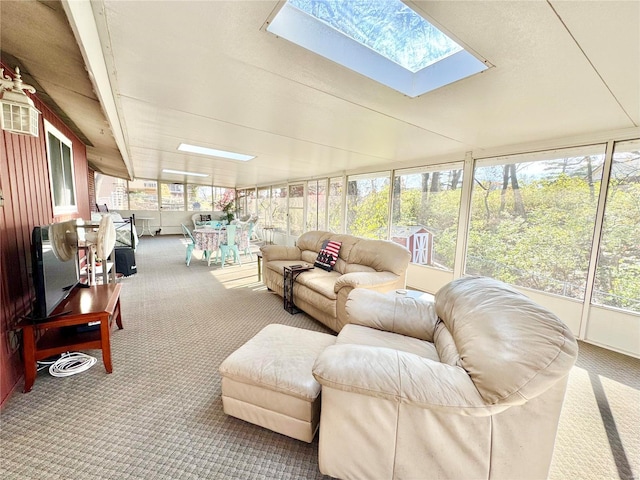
[{"x": 24, "y": 182}]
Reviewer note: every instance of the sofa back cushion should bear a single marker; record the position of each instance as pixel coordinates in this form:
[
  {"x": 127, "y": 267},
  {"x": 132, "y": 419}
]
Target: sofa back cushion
[
  {"x": 357, "y": 254},
  {"x": 512, "y": 348},
  {"x": 310, "y": 243}
]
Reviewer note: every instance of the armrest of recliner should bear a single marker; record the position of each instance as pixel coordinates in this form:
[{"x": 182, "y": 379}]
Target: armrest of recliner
[
  {"x": 392, "y": 313},
  {"x": 400, "y": 377},
  {"x": 377, "y": 280},
  {"x": 279, "y": 252}
]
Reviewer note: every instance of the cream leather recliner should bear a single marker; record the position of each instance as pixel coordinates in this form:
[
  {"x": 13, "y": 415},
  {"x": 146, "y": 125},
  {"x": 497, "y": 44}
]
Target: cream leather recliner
[{"x": 467, "y": 387}]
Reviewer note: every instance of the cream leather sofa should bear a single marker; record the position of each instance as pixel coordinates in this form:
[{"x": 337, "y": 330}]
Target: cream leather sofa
[
  {"x": 468, "y": 387},
  {"x": 371, "y": 264}
]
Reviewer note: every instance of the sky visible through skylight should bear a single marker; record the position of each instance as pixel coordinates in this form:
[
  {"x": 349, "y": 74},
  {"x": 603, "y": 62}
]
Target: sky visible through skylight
[{"x": 387, "y": 26}]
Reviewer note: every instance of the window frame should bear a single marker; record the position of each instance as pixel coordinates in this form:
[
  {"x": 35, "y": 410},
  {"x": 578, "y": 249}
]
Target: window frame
[{"x": 64, "y": 140}]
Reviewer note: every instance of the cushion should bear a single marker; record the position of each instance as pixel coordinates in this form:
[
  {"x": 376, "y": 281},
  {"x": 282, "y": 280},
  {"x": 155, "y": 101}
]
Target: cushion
[
  {"x": 359, "y": 335},
  {"x": 205, "y": 218},
  {"x": 116, "y": 217},
  {"x": 328, "y": 255}
]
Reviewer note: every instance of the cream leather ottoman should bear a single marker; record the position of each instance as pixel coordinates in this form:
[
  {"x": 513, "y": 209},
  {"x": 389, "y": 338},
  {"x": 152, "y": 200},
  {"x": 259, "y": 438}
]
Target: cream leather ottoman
[{"x": 268, "y": 381}]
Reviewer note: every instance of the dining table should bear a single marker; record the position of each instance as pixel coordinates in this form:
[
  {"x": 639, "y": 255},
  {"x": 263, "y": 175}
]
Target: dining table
[{"x": 209, "y": 238}]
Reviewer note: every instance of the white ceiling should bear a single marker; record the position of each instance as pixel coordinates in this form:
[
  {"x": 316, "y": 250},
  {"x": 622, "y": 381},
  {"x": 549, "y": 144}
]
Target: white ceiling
[{"x": 208, "y": 73}]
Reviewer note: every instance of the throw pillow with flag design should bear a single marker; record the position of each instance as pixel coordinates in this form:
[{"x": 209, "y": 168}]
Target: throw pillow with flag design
[{"x": 328, "y": 255}]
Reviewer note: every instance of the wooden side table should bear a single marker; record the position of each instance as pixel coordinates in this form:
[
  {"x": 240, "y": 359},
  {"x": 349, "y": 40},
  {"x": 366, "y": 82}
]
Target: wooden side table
[{"x": 99, "y": 303}]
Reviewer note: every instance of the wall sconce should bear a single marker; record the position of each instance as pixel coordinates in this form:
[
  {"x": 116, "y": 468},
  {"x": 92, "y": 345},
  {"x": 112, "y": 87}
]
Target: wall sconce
[{"x": 19, "y": 114}]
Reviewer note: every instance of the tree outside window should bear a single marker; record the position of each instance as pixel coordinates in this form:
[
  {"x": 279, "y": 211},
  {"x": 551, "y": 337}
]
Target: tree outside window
[
  {"x": 368, "y": 205},
  {"x": 199, "y": 198},
  {"x": 424, "y": 214},
  {"x": 279, "y": 208},
  {"x": 532, "y": 219},
  {"x": 336, "y": 213}
]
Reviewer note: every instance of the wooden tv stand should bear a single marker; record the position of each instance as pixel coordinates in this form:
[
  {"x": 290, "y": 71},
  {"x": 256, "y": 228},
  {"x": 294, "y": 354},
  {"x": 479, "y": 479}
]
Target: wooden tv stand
[{"x": 98, "y": 303}]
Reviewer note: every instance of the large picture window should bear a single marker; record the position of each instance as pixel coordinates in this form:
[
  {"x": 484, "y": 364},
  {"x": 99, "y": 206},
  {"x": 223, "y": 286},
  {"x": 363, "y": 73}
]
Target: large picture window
[
  {"x": 617, "y": 281},
  {"x": 61, "y": 174},
  {"x": 532, "y": 219},
  {"x": 424, "y": 213}
]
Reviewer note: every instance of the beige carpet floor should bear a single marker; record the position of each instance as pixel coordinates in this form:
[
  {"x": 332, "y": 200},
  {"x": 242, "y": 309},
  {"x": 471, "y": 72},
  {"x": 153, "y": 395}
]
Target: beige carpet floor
[{"x": 159, "y": 414}]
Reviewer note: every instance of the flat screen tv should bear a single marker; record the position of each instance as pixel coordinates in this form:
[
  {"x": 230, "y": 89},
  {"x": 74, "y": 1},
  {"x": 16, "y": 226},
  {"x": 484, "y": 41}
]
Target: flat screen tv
[{"x": 54, "y": 259}]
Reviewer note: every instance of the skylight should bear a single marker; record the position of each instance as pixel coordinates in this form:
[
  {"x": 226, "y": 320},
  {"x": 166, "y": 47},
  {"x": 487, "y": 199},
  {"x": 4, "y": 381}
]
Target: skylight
[
  {"x": 382, "y": 39},
  {"x": 212, "y": 152},
  {"x": 182, "y": 172},
  {"x": 389, "y": 27}
]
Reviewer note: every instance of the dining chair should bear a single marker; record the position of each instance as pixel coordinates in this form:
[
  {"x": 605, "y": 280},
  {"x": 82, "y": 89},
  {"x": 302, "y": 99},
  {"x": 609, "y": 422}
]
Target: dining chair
[
  {"x": 219, "y": 228},
  {"x": 190, "y": 246},
  {"x": 247, "y": 245},
  {"x": 230, "y": 246}
]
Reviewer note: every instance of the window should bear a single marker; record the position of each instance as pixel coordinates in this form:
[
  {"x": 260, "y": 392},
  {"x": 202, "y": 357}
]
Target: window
[
  {"x": 317, "y": 204},
  {"x": 384, "y": 40},
  {"x": 61, "y": 174},
  {"x": 279, "y": 208},
  {"x": 368, "y": 205},
  {"x": 143, "y": 195},
  {"x": 111, "y": 191},
  {"x": 336, "y": 212},
  {"x": 246, "y": 202},
  {"x": 241, "y": 203},
  {"x": 424, "y": 214},
  {"x": 617, "y": 281},
  {"x": 251, "y": 202},
  {"x": 264, "y": 206},
  {"x": 172, "y": 195},
  {"x": 296, "y": 209},
  {"x": 199, "y": 198},
  {"x": 533, "y": 217}
]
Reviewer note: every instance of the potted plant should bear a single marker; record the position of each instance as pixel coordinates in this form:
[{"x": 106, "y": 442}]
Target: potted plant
[{"x": 227, "y": 205}]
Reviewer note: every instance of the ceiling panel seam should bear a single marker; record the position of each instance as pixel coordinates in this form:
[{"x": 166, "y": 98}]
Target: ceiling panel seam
[
  {"x": 346, "y": 100},
  {"x": 591, "y": 63}
]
